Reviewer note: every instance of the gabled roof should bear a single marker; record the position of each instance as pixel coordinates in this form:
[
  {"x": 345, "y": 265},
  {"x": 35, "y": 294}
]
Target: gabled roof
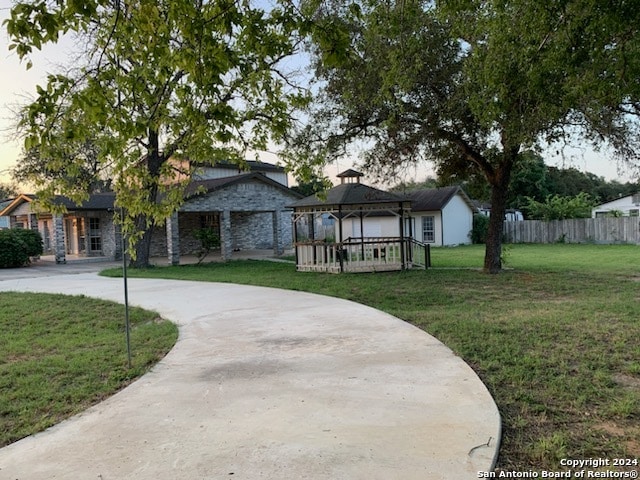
[
  {"x": 199, "y": 187},
  {"x": 350, "y": 194},
  {"x": 5, "y": 203},
  {"x": 96, "y": 201},
  {"x": 249, "y": 166},
  {"x": 435, "y": 199},
  {"x": 627, "y": 200}
]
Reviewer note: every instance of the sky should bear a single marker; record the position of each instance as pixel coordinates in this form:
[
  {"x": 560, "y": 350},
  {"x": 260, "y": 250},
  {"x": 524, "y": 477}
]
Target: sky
[{"x": 17, "y": 85}]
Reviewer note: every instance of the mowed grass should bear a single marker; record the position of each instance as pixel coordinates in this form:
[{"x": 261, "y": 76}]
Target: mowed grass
[
  {"x": 556, "y": 337},
  {"x": 61, "y": 354}
]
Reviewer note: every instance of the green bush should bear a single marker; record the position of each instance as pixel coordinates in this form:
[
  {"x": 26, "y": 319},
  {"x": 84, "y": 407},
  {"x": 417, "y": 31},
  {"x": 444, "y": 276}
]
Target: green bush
[
  {"x": 480, "y": 228},
  {"x": 209, "y": 240},
  {"x": 556, "y": 207},
  {"x": 17, "y": 246}
]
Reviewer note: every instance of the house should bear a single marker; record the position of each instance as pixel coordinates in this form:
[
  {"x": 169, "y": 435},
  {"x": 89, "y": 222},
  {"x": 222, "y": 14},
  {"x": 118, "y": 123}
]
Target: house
[
  {"x": 87, "y": 229},
  {"x": 628, "y": 206},
  {"x": 247, "y": 208},
  {"x": 441, "y": 216}
]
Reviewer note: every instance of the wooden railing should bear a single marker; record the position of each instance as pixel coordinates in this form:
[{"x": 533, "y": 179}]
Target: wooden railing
[{"x": 367, "y": 254}]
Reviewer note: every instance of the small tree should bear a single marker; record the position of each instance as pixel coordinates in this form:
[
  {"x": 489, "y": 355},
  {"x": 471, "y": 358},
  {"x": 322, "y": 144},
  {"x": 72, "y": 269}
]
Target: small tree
[
  {"x": 480, "y": 228},
  {"x": 556, "y": 207},
  {"x": 209, "y": 240},
  {"x": 166, "y": 84}
]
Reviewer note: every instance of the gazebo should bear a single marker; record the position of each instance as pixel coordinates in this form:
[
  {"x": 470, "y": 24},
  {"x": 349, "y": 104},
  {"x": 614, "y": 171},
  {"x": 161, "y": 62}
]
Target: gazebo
[{"x": 355, "y": 228}]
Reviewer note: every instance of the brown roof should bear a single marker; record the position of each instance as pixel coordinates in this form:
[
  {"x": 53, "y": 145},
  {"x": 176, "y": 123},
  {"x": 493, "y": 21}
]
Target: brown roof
[
  {"x": 435, "y": 199},
  {"x": 96, "y": 201},
  {"x": 247, "y": 165},
  {"x": 195, "y": 188},
  {"x": 350, "y": 194}
]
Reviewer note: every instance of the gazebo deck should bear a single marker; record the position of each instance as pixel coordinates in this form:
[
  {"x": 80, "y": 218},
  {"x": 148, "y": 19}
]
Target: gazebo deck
[{"x": 361, "y": 255}]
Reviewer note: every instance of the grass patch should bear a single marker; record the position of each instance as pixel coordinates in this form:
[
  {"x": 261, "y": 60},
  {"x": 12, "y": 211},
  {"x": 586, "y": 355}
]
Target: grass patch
[
  {"x": 554, "y": 337},
  {"x": 61, "y": 354}
]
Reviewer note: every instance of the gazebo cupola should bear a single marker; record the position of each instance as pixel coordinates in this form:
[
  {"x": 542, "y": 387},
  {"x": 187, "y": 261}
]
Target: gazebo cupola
[{"x": 350, "y": 176}]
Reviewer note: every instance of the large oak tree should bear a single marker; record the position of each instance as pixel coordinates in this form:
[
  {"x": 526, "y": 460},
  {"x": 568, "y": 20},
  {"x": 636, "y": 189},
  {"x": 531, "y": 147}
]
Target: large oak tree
[
  {"x": 472, "y": 84},
  {"x": 157, "y": 81}
]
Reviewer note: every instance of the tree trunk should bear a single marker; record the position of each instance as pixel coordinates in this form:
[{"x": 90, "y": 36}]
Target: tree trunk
[
  {"x": 499, "y": 180},
  {"x": 493, "y": 252},
  {"x": 143, "y": 247},
  {"x": 154, "y": 161}
]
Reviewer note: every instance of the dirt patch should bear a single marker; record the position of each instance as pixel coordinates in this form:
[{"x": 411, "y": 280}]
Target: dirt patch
[
  {"x": 628, "y": 436},
  {"x": 611, "y": 429},
  {"x": 627, "y": 381}
]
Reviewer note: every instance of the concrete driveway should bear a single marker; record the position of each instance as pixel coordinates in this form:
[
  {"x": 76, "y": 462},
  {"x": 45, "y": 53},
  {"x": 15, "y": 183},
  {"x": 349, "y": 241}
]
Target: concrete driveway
[{"x": 274, "y": 384}]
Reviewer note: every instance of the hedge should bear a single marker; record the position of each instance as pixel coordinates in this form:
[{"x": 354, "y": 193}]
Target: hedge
[{"x": 17, "y": 246}]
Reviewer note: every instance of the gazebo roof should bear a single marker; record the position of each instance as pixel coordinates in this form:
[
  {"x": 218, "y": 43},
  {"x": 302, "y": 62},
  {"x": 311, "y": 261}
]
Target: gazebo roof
[{"x": 350, "y": 194}]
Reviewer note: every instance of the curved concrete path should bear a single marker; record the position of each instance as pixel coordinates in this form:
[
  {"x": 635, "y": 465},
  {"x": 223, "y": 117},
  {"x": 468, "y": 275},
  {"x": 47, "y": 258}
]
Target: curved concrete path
[{"x": 274, "y": 384}]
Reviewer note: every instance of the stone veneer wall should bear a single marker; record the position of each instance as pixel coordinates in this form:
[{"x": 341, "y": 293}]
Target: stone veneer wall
[
  {"x": 251, "y": 205},
  {"x": 252, "y": 231},
  {"x": 159, "y": 242},
  {"x": 111, "y": 243}
]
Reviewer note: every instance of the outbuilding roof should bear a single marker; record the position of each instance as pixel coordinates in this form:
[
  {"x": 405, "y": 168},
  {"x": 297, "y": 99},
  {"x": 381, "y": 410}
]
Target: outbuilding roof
[{"x": 435, "y": 199}]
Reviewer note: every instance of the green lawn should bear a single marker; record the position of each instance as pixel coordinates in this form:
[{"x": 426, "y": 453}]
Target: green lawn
[
  {"x": 61, "y": 354},
  {"x": 555, "y": 337}
]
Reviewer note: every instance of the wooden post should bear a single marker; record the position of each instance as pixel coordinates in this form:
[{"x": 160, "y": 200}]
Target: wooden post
[{"x": 402, "y": 246}]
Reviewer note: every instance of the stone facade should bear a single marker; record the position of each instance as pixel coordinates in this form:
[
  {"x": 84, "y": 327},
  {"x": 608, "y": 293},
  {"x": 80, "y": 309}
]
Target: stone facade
[
  {"x": 252, "y": 214},
  {"x": 249, "y": 211}
]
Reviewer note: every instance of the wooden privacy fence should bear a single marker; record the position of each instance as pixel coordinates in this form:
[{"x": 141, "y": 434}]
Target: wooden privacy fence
[{"x": 607, "y": 230}]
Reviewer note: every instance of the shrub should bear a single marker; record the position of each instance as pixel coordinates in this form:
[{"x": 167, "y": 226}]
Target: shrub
[
  {"x": 209, "y": 240},
  {"x": 480, "y": 228},
  {"x": 17, "y": 246}
]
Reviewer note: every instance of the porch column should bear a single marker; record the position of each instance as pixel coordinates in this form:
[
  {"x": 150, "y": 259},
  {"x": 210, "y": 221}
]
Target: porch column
[
  {"x": 59, "y": 249},
  {"x": 33, "y": 221},
  {"x": 278, "y": 249},
  {"x": 226, "y": 244},
  {"x": 173, "y": 239}
]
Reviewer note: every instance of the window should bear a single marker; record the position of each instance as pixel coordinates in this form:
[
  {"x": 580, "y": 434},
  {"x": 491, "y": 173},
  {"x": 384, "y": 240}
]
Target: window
[
  {"x": 95, "y": 237},
  {"x": 428, "y": 229},
  {"x": 634, "y": 213},
  {"x": 211, "y": 220}
]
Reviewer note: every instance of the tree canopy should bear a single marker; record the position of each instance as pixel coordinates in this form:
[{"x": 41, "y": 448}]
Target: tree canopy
[
  {"x": 7, "y": 191},
  {"x": 159, "y": 82},
  {"x": 533, "y": 179},
  {"x": 472, "y": 85}
]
